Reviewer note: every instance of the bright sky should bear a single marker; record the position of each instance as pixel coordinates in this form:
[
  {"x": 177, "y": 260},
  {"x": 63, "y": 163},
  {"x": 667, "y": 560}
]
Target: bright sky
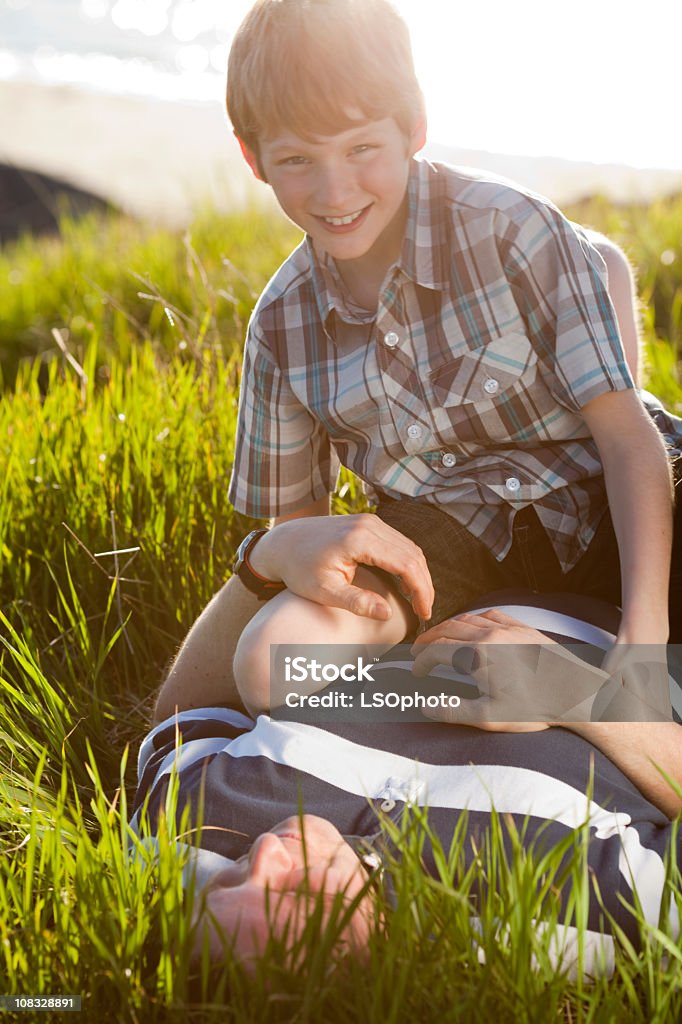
[
  {"x": 591, "y": 80},
  {"x": 596, "y": 80}
]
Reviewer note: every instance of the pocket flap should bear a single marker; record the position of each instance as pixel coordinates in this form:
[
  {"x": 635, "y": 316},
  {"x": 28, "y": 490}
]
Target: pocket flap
[{"x": 485, "y": 372}]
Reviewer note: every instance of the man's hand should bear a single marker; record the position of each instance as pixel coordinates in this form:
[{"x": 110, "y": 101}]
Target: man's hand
[
  {"x": 524, "y": 677},
  {"x": 317, "y": 559},
  {"x": 527, "y": 681}
]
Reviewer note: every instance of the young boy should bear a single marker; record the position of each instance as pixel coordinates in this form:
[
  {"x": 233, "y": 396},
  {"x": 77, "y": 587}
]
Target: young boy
[{"x": 447, "y": 337}]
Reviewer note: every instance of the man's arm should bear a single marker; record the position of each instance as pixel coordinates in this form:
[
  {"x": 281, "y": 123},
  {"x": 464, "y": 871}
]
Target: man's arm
[
  {"x": 201, "y": 673},
  {"x": 637, "y": 748},
  {"x": 321, "y": 507},
  {"x": 316, "y": 558},
  {"x": 639, "y": 490}
]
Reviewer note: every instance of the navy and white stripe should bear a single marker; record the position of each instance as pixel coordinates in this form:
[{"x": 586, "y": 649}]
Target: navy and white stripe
[{"x": 255, "y": 774}]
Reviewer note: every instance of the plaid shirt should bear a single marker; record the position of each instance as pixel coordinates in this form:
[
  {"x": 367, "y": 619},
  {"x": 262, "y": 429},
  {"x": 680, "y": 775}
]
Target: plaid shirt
[{"x": 465, "y": 389}]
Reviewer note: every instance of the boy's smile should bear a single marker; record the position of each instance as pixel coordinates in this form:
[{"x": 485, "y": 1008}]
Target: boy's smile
[
  {"x": 343, "y": 224},
  {"x": 346, "y": 191}
]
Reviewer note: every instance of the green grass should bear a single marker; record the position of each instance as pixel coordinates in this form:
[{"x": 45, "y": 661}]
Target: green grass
[
  {"x": 117, "y": 433},
  {"x": 650, "y": 235}
]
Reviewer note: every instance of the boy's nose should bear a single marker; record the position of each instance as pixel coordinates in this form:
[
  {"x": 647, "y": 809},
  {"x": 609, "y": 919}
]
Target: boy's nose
[
  {"x": 268, "y": 859},
  {"x": 334, "y": 189}
]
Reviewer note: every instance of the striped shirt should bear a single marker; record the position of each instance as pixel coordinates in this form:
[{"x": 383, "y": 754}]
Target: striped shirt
[
  {"x": 464, "y": 389},
  {"x": 253, "y": 775}
]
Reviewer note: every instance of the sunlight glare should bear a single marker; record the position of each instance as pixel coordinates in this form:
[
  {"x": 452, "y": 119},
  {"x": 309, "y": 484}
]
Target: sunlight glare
[{"x": 541, "y": 79}]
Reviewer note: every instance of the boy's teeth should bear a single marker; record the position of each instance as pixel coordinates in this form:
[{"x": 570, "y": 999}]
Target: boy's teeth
[{"x": 337, "y": 221}]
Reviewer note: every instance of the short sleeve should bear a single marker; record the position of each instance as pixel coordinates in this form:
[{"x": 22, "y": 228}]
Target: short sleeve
[
  {"x": 560, "y": 282},
  {"x": 283, "y": 456},
  {"x": 181, "y": 740}
]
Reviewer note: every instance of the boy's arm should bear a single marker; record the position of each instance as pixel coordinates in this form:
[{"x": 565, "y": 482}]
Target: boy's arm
[
  {"x": 639, "y": 490},
  {"x": 284, "y": 463}
]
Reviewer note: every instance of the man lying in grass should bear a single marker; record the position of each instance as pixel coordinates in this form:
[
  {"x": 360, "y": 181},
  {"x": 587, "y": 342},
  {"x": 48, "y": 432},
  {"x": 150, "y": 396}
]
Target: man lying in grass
[{"x": 294, "y": 814}]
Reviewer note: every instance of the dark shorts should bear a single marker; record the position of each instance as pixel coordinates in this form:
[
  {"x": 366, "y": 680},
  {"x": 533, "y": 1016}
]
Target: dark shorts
[{"x": 463, "y": 570}]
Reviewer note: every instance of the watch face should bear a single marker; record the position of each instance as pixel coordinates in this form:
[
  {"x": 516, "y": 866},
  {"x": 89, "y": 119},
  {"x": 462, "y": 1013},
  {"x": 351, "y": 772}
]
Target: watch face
[
  {"x": 262, "y": 588},
  {"x": 244, "y": 547}
]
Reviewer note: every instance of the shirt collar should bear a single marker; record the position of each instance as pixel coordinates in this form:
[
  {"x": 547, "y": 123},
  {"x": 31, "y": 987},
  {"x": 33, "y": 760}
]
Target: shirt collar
[
  {"x": 330, "y": 293},
  {"x": 423, "y": 258},
  {"x": 372, "y": 852}
]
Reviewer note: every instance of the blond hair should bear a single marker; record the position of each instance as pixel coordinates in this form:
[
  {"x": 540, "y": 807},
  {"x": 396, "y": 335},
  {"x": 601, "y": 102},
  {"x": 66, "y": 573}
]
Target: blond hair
[{"x": 317, "y": 67}]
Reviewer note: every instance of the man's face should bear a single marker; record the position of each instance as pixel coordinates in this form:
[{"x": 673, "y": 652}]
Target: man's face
[
  {"x": 274, "y": 888},
  {"x": 347, "y": 191}
]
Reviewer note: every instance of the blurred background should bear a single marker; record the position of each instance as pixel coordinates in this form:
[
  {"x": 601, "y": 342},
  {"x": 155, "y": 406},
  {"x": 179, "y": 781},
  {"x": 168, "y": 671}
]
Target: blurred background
[{"x": 124, "y": 98}]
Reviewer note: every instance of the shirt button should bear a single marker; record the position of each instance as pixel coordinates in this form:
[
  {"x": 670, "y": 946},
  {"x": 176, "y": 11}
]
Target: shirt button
[
  {"x": 372, "y": 861},
  {"x": 391, "y": 339},
  {"x": 512, "y": 484},
  {"x": 448, "y": 459},
  {"x": 414, "y": 431},
  {"x": 491, "y": 386},
  {"x": 387, "y": 805}
]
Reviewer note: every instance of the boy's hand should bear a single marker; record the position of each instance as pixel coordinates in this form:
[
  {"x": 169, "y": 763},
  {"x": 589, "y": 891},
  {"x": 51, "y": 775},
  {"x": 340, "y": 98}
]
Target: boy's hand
[
  {"x": 639, "y": 685},
  {"x": 317, "y": 559}
]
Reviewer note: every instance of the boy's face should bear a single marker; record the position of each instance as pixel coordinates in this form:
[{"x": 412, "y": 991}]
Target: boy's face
[{"x": 347, "y": 191}]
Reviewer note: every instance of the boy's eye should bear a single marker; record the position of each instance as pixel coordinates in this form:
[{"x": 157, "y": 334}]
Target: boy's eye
[
  {"x": 364, "y": 147},
  {"x": 292, "y": 161}
]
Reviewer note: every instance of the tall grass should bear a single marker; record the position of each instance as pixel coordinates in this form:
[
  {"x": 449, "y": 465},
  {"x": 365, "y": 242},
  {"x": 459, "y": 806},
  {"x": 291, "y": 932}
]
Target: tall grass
[
  {"x": 120, "y": 348},
  {"x": 650, "y": 235}
]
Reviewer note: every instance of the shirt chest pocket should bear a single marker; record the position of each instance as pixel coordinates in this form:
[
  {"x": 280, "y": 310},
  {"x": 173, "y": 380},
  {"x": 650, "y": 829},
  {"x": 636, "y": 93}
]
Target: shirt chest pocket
[{"x": 485, "y": 395}]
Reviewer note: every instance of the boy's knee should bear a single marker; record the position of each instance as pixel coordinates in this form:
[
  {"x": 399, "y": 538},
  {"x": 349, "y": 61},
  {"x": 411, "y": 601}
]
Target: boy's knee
[
  {"x": 623, "y": 293},
  {"x": 251, "y": 653},
  {"x": 251, "y": 669},
  {"x": 618, "y": 267}
]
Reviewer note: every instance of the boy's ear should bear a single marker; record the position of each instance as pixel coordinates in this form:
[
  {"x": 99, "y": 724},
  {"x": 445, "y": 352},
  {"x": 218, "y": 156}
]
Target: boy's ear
[{"x": 251, "y": 158}]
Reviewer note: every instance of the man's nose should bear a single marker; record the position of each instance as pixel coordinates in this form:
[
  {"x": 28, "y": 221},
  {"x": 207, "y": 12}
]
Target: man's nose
[{"x": 269, "y": 859}]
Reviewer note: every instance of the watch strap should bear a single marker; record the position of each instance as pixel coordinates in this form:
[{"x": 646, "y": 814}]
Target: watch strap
[{"x": 262, "y": 587}]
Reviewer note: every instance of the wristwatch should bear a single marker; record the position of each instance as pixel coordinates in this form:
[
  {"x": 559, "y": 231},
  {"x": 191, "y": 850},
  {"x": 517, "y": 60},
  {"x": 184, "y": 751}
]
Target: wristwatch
[{"x": 253, "y": 581}]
